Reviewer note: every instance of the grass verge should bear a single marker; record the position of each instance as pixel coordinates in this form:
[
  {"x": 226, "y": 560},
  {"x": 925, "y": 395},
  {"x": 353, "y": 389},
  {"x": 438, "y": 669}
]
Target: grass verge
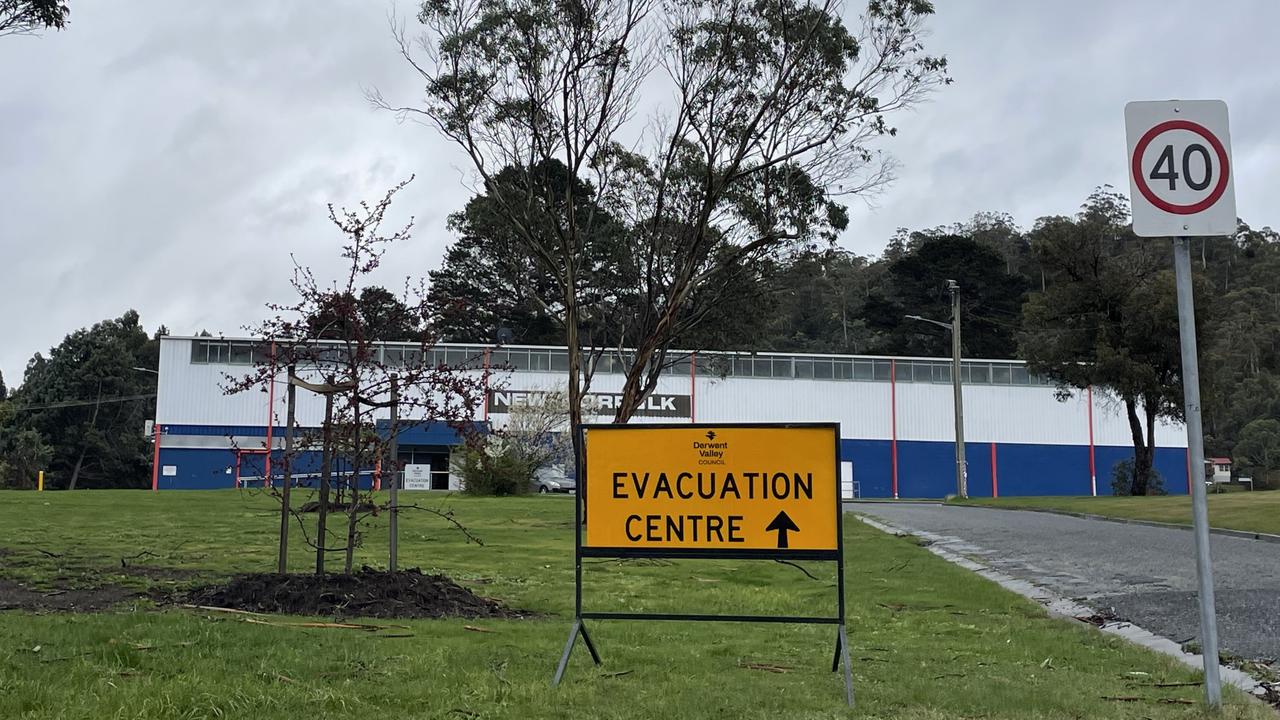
[
  {"x": 1249, "y": 511},
  {"x": 929, "y": 640}
]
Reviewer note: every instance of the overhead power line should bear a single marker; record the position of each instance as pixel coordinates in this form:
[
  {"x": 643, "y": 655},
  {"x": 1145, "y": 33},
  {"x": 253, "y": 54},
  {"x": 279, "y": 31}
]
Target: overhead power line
[{"x": 78, "y": 403}]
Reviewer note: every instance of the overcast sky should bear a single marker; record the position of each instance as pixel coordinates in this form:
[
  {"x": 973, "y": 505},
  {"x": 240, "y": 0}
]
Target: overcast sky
[{"x": 169, "y": 157}]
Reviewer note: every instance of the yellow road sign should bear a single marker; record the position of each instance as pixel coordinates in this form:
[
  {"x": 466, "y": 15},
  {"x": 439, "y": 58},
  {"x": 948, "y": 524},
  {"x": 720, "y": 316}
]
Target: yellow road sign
[{"x": 712, "y": 488}]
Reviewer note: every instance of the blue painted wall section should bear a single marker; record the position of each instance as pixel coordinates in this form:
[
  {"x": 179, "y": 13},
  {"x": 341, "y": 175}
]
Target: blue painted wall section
[
  {"x": 927, "y": 469},
  {"x": 215, "y": 468}
]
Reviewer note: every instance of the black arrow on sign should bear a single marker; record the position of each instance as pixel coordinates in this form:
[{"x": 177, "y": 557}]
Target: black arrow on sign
[{"x": 783, "y": 524}]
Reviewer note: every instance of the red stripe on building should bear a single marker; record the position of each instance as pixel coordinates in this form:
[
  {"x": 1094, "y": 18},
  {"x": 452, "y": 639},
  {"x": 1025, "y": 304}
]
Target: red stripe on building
[{"x": 995, "y": 481}]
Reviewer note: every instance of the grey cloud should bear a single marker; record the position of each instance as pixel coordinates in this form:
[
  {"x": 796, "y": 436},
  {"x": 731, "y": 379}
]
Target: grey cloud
[{"x": 171, "y": 156}]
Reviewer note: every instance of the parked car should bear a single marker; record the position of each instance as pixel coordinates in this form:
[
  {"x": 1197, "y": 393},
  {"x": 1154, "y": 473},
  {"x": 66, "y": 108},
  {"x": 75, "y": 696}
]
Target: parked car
[{"x": 552, "y": 480}]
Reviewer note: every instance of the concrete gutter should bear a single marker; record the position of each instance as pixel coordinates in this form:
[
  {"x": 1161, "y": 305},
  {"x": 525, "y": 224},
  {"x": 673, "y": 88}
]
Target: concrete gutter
[
  {"x": 1062, "y": 607},
  {"x": 1246, "y": 534}
]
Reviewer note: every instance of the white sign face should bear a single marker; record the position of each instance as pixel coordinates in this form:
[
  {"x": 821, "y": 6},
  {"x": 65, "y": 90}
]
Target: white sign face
[
  {"x": 417, "y": 477},
  {"x": 1180, "y": 170},
  {"x": 169, "y": 470}
]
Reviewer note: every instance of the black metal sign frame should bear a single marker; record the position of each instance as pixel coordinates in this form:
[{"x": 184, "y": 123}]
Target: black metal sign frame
[{"x": 841, "y": 655}]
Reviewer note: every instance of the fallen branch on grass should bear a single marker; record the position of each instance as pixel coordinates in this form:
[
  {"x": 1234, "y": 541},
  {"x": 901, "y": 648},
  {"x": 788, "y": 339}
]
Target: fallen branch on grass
[
  {"x": 333, "y": 625},
  {"x": 144, "y": 553},
  {"x": 801, "y": 569},
  {"x": 767, "y": 667},
  {"x": 211, "y": 608}
]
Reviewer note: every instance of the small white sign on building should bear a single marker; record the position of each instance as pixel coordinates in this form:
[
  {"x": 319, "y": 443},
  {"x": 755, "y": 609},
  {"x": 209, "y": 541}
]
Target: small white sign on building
[
  {"x": 169, "y": 470},
  {"x": 1180, "y": 170},
  {"x": 417, "y": 477}
]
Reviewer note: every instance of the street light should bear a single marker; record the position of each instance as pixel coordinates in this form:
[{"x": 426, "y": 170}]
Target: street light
[
  {"x": 147, "y": 370},
  {"x": 962, "y": 473}
]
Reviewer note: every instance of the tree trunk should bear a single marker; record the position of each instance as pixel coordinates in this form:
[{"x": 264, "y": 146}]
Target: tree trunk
[
  {"x": 75, "y": 472},
  {"x": 575, "y": 392},
  {"x": 1141, "y": 460},
  {"x": 93, "y": 422},
  {"x": 291, "y": 395},
  {"x": 1151, "y": 445},
  {"x": 353, "y": 508},
  {"x": 326, "y": 462},
  {"x": 394, "y": 465}
]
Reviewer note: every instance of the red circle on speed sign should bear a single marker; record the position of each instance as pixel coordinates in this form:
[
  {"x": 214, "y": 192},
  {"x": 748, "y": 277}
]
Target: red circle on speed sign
[{"x": 1140, "y": 180}]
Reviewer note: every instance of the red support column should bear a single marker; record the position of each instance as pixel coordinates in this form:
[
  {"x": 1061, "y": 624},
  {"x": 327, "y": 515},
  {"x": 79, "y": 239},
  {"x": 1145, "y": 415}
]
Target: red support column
[
  {"x": 237, "y": 477},
  {"x": 155, "y": 461},
  {"x": 893, "y": 420},
  {"x": 693, "y": 387},
  {"x": 995, "y": 481},
  {"x": 1093, "y": 468}
]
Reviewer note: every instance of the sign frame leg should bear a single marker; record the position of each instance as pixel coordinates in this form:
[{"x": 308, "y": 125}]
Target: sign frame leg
[
  {"x": 842, "y": 654},
  {"x": 577, "y": 629}
]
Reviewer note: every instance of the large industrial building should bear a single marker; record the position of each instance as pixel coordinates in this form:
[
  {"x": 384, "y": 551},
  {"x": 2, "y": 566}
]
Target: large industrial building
[{"x": 895, "y": 415}]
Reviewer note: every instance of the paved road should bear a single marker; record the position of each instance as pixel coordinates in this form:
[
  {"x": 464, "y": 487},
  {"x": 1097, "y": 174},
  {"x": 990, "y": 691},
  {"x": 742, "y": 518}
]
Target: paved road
[{"x": 1146, "y": 574}]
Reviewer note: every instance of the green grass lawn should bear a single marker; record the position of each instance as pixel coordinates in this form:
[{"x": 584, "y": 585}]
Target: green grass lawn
[
  {"x": 929, "y": 640},
  {"x": 1251, "y": 511}
]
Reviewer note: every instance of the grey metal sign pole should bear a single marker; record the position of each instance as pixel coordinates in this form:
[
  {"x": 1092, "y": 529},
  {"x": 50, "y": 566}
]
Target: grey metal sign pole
[{"x": 1195, "y": 445}]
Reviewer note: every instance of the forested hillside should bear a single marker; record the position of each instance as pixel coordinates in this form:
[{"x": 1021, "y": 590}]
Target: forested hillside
[{"x": 1076, "y": 295}]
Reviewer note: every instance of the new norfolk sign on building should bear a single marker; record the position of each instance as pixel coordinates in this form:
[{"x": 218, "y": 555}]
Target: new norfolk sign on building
[{"x": 659, "y": 405}]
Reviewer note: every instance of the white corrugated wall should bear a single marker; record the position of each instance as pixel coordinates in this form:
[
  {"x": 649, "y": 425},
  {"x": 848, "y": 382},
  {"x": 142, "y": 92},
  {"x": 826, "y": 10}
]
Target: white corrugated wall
[{"x": 191, "y": 394}]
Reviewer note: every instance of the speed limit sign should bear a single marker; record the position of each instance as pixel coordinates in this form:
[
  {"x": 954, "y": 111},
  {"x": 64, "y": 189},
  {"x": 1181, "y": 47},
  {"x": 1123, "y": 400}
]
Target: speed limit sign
[{"x": 1180, "y": 170}]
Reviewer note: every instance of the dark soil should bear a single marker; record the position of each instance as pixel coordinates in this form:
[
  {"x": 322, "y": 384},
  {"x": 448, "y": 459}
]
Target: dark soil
[
  {"x": 16, "y": 596},
  {"x": 367, "y": 593}
]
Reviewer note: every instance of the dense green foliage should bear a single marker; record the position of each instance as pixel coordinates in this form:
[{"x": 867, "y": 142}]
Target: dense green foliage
[
  {"x": 496, "y": 471},
  {"x": 28, "y": 17},
  {"x": 1079, "y": 297},
  {"x": 80, "y": 412}
]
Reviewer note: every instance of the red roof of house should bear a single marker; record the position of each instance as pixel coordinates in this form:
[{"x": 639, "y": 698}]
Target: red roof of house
[{"x": 1220, "y": 461}]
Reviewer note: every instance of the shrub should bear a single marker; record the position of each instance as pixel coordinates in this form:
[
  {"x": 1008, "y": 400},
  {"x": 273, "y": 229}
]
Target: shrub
[
  {"x": 493, "y": 470},
  {"x": 1122, "y": 479}
]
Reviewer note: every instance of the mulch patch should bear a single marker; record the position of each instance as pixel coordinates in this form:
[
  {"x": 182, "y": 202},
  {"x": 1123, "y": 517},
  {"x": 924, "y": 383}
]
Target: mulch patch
[
  {"x": 366, "y": 593},
  {"x": 17, "y": 596}
]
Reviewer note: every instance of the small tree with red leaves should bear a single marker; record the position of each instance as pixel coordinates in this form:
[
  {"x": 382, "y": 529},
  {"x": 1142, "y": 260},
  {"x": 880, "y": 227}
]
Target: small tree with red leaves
[{"x": 329, "y": 347}]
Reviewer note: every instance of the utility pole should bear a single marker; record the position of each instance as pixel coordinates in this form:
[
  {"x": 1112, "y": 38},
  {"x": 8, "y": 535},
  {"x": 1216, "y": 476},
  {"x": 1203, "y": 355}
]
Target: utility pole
[{"x": 962, "y": 471}]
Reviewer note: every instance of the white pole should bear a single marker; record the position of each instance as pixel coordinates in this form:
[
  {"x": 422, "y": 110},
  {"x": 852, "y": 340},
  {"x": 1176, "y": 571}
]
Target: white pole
[{"x": 962, "y": 479}]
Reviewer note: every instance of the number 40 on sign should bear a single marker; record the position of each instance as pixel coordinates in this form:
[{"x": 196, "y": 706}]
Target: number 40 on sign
[{"x": 1180, "y": 169}]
